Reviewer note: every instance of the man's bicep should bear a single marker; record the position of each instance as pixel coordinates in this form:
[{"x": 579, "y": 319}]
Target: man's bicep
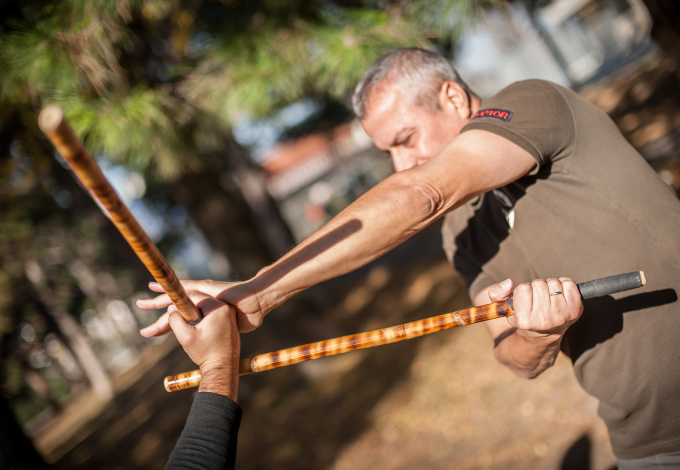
[{"x": 478, "y": 161}]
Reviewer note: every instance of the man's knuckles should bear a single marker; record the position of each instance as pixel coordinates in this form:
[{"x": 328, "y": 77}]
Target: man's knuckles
[
  {"x": 524, "y": 290},
  {"x": 538, "y": 283}
]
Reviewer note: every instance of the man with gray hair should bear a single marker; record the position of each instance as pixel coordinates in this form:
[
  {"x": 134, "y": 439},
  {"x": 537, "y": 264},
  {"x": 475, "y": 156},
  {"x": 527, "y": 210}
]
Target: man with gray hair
[
  {"x": 420, "y": 71},
  {"x": 534, "y": 183}
]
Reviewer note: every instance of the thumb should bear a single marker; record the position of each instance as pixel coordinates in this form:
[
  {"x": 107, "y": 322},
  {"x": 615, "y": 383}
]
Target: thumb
[
  {"x": 501, "y": 291},
  {"x": 183, "y": 331}
]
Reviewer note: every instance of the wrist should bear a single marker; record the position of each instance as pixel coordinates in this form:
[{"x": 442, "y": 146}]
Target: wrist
[
  {"x": 263, "y": 292},
  {"x": 541, "y": 336},
  {"x": 221, "y": 379}
]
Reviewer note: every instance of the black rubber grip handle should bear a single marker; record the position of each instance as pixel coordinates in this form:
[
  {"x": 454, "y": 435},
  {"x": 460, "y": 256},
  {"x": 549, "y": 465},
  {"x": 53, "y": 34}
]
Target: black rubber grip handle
[
  {"x": 612, "y": 284},
  {"x": 608, "y": 285}
]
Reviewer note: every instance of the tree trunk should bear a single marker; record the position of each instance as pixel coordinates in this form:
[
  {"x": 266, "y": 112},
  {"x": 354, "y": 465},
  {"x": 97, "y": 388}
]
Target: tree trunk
[
  {"x": 78, "y": 343},
  {"x": 229, "y": 203},
  {"x": 16, "y": 450},
  {"x": 225, "y": 220},
  {"x": 250, "y": 182},
  {"x": 666, "y": 28}
]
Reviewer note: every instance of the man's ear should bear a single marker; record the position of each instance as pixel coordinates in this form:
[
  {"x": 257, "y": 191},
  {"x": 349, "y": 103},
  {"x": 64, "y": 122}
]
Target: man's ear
[{"x": 453, "y": 99}]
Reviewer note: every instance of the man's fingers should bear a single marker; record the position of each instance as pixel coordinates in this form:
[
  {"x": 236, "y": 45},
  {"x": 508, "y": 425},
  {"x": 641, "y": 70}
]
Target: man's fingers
[
  {"x": 156, "y": 287},
  {"x": 558, "y": 300},
  {"x": 571, "y": 293},
  {"x": 501, "y": 291},
  {"x": 162, "y": 301},
  {"x": 523, "y": 302},
  {"x": 183, "y": 331},
  {"x": 211, "y": 288},
  {"x": 158, "y": 328}
]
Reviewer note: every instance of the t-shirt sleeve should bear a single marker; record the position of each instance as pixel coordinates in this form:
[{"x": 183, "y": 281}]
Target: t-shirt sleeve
[
  {"x": 210, "y": 435},
  {"x": 534, "y": 115}
]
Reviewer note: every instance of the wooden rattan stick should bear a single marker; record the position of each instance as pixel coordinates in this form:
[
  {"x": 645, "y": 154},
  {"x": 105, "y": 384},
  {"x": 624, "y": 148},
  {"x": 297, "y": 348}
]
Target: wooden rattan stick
[
  {"x": 285, "y": 357},
  {"x": 55, "y": 127},
  {"x": 331, "y": 347}
]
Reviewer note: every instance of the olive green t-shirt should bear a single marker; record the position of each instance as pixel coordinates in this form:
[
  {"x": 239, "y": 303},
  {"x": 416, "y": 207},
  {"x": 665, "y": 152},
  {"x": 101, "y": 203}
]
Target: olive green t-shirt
[{"x": 592, "y": 207}]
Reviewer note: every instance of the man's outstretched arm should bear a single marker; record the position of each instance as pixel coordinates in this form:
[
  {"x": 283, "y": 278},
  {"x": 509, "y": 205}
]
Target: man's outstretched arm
[{"x": 405, "y": 203}]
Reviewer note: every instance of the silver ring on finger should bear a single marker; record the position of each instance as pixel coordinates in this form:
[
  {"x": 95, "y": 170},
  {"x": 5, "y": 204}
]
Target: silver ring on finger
[{"x": 555, "y": 293}]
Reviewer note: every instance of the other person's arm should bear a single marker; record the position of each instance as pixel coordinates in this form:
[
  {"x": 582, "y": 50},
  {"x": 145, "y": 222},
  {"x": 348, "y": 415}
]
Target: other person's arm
[
  {"x": 209, "y": 438},
  {"x": 529, "y": 342},
  {"x": 403, "y": 204}
]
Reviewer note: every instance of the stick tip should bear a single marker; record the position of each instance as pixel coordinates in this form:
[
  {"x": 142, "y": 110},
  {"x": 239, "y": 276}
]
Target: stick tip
[
  {"x": 50, "y": 118},
  {"x": 166, "y": 384},
  {"x": 642, "y": 278}
]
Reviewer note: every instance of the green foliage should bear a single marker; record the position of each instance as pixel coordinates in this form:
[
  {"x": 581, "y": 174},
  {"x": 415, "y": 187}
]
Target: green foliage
[
  {"x": 145, "y": 128},
  {"x": 445, "y": 19},
  {"x": 349, "y": 50},
  {"x": 157, "y": 84}
]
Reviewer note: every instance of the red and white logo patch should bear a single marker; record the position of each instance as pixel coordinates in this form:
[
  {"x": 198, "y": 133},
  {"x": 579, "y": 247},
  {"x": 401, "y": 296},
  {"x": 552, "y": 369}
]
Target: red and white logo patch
[{"x": 500, "y": 114}]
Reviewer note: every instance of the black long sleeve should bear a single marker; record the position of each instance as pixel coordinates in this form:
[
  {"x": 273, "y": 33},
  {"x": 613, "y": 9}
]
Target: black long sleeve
[{"x": 208, "y": 441}]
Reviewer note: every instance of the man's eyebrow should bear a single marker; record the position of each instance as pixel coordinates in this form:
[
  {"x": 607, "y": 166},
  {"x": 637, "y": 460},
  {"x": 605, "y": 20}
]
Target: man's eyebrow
[{"x": 399, "y": 135}]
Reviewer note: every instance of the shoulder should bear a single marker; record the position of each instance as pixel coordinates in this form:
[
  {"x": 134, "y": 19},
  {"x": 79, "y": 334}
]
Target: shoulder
[
  {"x": 530, "y": 101},
  {"x": 533, "y": 114},
  {"x": 530, "y": 93},
  {"x": 532, "y": 86}
]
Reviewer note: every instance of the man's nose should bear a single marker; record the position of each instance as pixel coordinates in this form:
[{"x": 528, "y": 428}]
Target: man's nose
[{"x": 402, "y": 160}]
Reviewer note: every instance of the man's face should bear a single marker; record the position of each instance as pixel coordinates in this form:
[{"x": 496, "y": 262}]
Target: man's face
[{"x": 411, "y": 134}]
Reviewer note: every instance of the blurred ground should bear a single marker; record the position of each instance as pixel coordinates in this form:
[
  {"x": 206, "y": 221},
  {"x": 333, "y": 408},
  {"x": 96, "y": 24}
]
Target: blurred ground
[
  {"x": 643, "y": 99},
  {"x": 436, "y": 402}
]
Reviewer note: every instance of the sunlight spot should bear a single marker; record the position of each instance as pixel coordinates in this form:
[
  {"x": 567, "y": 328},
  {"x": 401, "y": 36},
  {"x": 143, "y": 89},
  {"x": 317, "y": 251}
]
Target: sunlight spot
[
  {"x": 485, "y": 460},
  {"x": 378, "y": 277},
  {"x": 146, "y": 447},
  {"x": 419, "y": 290},
  {"x": 357, "y": 299},
  {"x": 362, "y": 295},
  {"x": 629, "y": 122},
  {"x": 641, "y": 91},
  {"x": 527, "y": 409},
  {"x": 482, "y": 379},
  {"x": 667, "y": 176},
  {"x": 541, "y": 449}
]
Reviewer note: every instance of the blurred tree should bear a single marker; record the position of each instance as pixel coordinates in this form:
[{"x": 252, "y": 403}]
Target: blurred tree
[
  {"x": 666, "y": 28},
  {"x": 157, "y": 85},
  {"x": 70, "y": 328},
  {"x": 16, "y": 450}
]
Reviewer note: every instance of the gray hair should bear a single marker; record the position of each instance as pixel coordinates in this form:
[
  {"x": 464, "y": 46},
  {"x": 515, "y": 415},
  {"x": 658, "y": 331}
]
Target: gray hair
[{"x": 416, "y": 69}]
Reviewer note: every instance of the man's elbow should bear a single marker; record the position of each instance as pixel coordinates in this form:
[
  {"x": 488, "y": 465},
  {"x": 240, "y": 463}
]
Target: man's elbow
[
  {"x": 427, "y": 194},
  {"x": 429, "y": 199},
  {"x": 523, "y": 371}
]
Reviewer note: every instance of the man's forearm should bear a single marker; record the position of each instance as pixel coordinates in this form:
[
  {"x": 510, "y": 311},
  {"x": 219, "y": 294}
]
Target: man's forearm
[
  {"x": 210, "y": 436},
  {"x": 526, "y": 353},
  {"x": 380, "y": 220},
  {"x": 384, "y": 217}
]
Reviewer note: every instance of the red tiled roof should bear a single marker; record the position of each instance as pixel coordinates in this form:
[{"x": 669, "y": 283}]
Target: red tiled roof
[{"x": 287, "y": 155}]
